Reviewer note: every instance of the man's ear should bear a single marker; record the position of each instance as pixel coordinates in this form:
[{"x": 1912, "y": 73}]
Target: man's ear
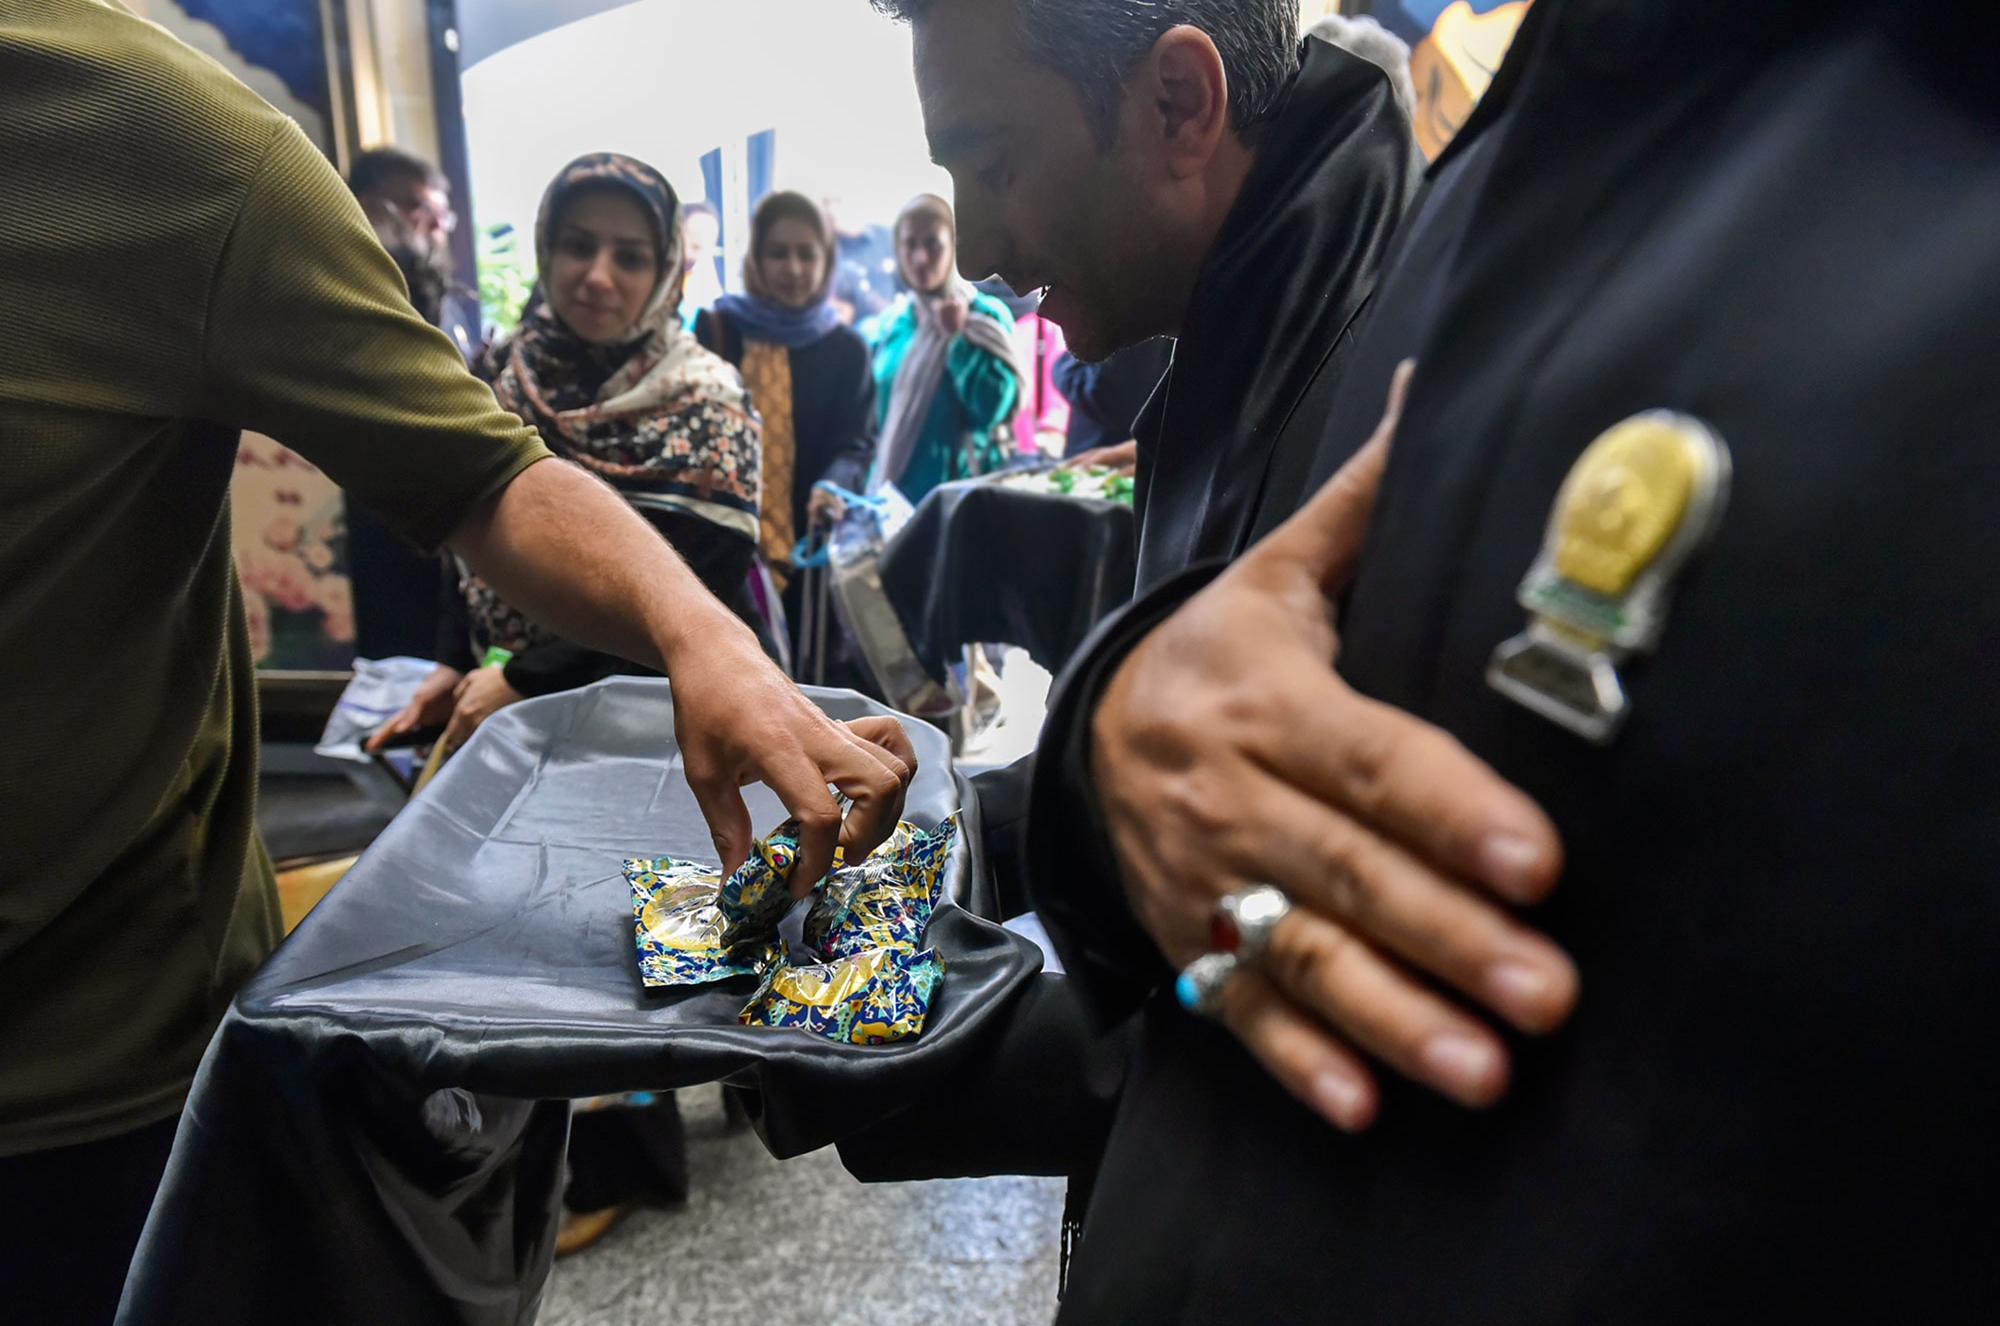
[{"x": 1191, "y": 87}]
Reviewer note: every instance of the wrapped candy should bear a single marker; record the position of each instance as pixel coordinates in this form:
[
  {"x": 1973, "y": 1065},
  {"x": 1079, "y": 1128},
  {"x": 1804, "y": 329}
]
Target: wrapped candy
[
  {"x": 871, "y": 998},
  {"x": 887, "y": 900},
  {"x": 898, "y": 843},
  {"x": 757, "y": 896},
  {"x": 867, "y": 922},
  {"x": 679, "y": 927}
]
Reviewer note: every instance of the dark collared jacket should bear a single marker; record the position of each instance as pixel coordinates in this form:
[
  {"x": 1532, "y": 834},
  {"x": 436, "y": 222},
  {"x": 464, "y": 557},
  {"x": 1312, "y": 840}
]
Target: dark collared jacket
[
  {"x": 1776, "y": 1101},
  {"x": 1269, "y": 333},
  {"x": 1269, "y": 329}
]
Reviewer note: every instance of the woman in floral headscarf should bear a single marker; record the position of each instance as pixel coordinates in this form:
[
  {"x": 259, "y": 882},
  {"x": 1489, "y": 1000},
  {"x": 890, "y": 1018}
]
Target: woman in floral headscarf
[{"x": 603, "y": 370}]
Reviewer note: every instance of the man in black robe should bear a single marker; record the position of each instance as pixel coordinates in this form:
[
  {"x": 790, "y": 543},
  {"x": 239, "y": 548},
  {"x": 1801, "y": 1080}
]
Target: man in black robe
[
  {"x": 1222, "y": 185},
  {"x": 1194, "y": 172},
  {"x": 1776, "y": 222}
]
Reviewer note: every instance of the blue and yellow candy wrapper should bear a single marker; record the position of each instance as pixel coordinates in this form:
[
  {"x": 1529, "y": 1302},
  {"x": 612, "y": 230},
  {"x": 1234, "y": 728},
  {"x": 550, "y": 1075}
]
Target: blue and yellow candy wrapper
[
  {"x": 759, "y": 894},
  {"x": 899, "y": 842},
  {"x": 679, "y": 926},
  {"x": 871, "y": 998},
  {"x": 887, "y": 900},
  {"x": 867, "y": 921}
]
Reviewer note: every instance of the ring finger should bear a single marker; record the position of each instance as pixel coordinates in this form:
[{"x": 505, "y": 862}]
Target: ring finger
[
  {"x": 1327, "y": 861},
  {"x": 1330, "y": 973}
]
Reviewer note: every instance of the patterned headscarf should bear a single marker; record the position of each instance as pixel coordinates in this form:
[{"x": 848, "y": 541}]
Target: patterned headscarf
[{"x": 655, "y": 415}]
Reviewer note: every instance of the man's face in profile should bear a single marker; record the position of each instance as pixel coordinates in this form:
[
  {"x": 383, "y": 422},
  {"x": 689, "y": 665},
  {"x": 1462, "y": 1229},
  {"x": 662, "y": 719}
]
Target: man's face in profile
[{"x": 1041, "y": 201}]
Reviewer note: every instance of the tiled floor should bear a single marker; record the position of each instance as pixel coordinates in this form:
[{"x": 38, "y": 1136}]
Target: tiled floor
[{"x": 763, "y": 1242}]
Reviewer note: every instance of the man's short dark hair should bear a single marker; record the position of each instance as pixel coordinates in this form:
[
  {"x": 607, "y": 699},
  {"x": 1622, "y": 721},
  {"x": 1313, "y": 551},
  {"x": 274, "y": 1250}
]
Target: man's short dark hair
[
  {"x": 1096, "y": 44},
  {"x": 376, "y": 167}
]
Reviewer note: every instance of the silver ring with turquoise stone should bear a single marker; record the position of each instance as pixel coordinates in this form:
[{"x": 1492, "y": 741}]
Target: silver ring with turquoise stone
[{"x": 1201, "y": 982}]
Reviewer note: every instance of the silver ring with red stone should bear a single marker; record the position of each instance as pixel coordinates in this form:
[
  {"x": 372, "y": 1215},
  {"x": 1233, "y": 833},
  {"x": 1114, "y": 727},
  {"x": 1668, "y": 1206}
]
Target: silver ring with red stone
[{"x": 1243, "y": 922}]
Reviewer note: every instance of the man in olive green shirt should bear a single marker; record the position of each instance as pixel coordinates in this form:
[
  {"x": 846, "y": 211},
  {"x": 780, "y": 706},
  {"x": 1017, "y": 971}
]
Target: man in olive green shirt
[{"x": 177, "y": 263}]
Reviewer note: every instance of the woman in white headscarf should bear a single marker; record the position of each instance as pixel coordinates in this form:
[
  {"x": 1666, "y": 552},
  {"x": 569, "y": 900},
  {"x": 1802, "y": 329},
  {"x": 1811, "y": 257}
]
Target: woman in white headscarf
[{"x": 948, "y": 381}]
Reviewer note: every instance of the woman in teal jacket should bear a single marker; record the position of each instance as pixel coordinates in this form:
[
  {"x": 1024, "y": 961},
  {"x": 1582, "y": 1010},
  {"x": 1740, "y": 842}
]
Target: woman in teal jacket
[{"x": 948, "y": 382}]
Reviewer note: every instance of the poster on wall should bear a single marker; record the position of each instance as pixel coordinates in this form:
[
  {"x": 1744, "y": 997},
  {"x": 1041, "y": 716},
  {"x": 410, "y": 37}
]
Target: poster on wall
[
  {"x": 276, "y": 47},
  {"x": 290, "y": 539},
  {"x": 1455, "y": 49}
]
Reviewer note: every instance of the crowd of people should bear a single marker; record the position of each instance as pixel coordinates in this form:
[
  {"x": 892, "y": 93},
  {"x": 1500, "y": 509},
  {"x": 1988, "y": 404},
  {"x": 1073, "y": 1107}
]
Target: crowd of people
[
  {"x": 737, "y": 423},
  {"x": 734, "y": 423},
  {"x": 1516, "y": 859}
]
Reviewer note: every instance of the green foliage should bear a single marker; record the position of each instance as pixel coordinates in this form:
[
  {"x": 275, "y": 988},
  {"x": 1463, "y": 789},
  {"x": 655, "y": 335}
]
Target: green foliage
[{"x": 506, "y": 277}]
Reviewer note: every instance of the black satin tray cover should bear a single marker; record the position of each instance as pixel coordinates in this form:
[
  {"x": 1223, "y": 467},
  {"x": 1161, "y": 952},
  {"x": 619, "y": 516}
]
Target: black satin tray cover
[{"x": 377, "y": 1132}]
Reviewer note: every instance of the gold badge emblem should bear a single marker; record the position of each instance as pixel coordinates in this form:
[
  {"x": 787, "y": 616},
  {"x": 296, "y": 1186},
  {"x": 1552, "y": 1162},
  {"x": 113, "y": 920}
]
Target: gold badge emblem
[{"x": 1642, "y": 500}]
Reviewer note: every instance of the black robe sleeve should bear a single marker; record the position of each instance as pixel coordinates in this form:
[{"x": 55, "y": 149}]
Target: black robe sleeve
[
  {"x": 1073, "y": 876},
  {"x": 559, "y": 666}
]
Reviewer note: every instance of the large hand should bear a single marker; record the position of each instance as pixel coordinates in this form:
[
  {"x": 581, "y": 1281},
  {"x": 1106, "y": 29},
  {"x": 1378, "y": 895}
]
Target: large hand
[
  {"x": 430, "y": 707},
  {"x": 740, "y": 720},
  {"x": 573, "y": 555},
  {"x": 1228, "y": 752}
]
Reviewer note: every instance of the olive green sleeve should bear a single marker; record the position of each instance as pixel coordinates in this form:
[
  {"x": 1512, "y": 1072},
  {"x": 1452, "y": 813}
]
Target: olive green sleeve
[{"x": 310, "y": 338}]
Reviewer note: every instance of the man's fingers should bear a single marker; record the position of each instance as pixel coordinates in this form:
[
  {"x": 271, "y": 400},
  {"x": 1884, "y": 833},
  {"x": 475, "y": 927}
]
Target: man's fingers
[
  {"x": 390, "y": 730},
  {"x": 1374, "y": 888},
  {"x": 721, "y": 802},
  {"x": 1299, "y": 1052},
  {"x": 1328, "y": 533},
  {"x": 1351, "y": 987},
  {"x": 871, "y": 774},
  {"x": 890, "y": 735},
  {"x": 458, "y": 731},
  {"x": 871, "y": 764},
  {"x": 1414, "y": 783},
  {"x": 1399, "y": 396},
  {"x": 800, "y": 780}
]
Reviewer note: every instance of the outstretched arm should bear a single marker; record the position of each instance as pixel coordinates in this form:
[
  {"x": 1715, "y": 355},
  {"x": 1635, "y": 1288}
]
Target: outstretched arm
[
  {"x": 311, "y": 339},
  {"x": 573, "y": 555}
]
